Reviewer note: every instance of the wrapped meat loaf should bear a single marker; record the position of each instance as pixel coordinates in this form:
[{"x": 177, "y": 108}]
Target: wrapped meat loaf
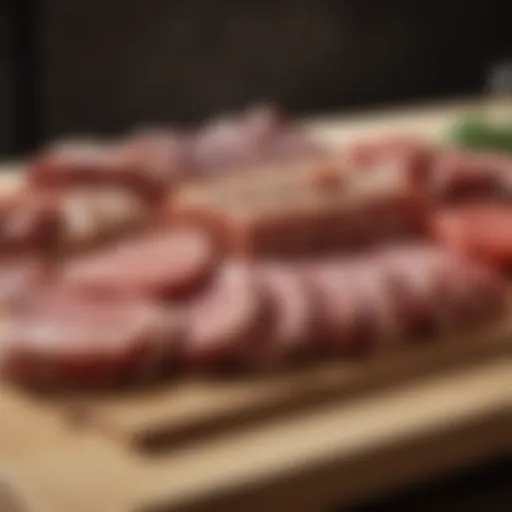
[{"x": 301, "y": 208}]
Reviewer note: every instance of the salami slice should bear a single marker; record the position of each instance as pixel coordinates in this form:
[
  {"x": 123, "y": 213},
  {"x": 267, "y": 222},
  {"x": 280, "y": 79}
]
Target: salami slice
[
  {"x": 159, "y": 265},
  {"x": 292, "y": 315},
  {"x": 19, "y": 276},
  {"x": 384, "y": 324},
  {"x": 480, "y": 230},
  {"x": 414, "y": 273},
  {"x": 466, "y": 174},
  {"x": 29, "y": 223},
  {"x": 225, "y": 324},
  {"x": 473, "y": 293},
  {"x": 56, "y": 339},
  {"x": 340, "y": 316},
  {"x": 143, "y": 166}
]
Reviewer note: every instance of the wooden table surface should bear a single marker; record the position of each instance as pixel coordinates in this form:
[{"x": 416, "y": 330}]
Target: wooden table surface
[{"x": 387, "y": 431}]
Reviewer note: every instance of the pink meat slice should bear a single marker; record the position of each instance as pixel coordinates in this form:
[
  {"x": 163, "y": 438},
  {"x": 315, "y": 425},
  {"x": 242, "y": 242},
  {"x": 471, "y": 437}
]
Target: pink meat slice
[
  {"x": 19, "y": 276},
  {"x": 384, "y": 324},
  {"x": 54, "y": 338},
  {"x": 339, "y": 315},
  {"x": 415, "y": 274},
  {"x": 160, "y": 265},
  {"x": 225, "y": 322},
  {"x": 292, "y": 314}
]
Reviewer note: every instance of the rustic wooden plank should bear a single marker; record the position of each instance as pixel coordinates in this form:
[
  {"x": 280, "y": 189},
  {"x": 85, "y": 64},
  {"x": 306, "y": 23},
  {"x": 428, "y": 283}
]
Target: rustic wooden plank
[
  {"x": 342, "y": 451},
  {"x": 190, "y": 410}
]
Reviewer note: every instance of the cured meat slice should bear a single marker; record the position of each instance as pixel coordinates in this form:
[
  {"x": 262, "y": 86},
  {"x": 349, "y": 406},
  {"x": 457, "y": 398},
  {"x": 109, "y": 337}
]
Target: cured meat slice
[
  {"x": 29, "y": 223},
  {"x": 462, "y": 175},
  {"x": 343, "y": 318},
  {"x": 419, "y": 287},
  {"x": 403, "y": 153},
  {"x": 145, "y": 166},
  {"x": 69, "y": 220},
  {"x": 56, "y": 339},
  {"x": 441, "y": 291},
  {"x": 293, "y": 212},
  {"x": 384, "y": 323},
  {"x": 474, "y": 293},
  {"x": 227, "y": 323},
  {"x": 480, "y": 230},
  {"x": 161, "y": 265},
  {"x": 89, "y": 217},
  {"x": 292, "y": 315},
  {"x": 19, "y": 276}
]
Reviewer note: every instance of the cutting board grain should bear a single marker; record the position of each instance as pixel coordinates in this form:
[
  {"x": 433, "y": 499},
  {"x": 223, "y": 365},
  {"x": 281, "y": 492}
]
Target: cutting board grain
[{"x": 305, "y": 440}]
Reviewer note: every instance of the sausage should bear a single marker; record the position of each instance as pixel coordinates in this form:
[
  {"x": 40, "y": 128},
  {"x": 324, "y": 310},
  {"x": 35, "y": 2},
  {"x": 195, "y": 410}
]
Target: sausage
[
  {"x": 292, "y": 315},
  {"x": 144, "y": 166},
  {"x": 91, "y": 217},
  {"x": 456, "y": 175},
  {"x": 19, "y": 275},
  {"x": 441, "y": 291},
  {"x": 29, "y": 223},
  {"x": 384, "y": 323},
  {"x": 158, "y": 265},
  {"x": 277, "y": 213},
  {"x": 226, "y": 323},
  {"x": 415, "y": 276},
  {"x": 342, "y": 316},
  {"x": 53, "y": 223},
  {"x": 56, "y": 340}
]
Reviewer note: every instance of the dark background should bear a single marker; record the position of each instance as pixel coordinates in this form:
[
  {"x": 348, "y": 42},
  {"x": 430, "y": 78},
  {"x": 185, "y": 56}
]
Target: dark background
[{"x": 100, "y": 66}]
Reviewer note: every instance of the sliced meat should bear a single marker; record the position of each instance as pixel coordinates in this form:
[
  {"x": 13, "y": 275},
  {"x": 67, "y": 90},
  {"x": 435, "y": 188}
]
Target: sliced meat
[
  {"x": 272, "y": 214},
  {"x": 19, "y": 276},
  {"x": 29, "y": 223},
  {"x": 54, "y": 339},
  {"x": 145, "y": 166},
  {"x": 373, "y": 287},
  {"x": 474, "y": 294},
  {"x": 441, "y": 291},
  {"x": 226, "y": 324},
  {"x": 161, "y": 265},
  {"x": 480, "y": 230},
  {"x": 341, "y": 322},
  {"x": 90, "y": 217},
  {"x": 417, "y": 280},
  {"x": 292, "y": 315},
  {"x": 458, "y": 175}
]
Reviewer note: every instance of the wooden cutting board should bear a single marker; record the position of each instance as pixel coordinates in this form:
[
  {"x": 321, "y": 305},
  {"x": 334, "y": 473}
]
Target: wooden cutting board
[{"x": 324, "y": 435}]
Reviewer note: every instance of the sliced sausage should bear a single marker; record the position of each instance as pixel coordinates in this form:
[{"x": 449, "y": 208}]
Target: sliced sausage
[
  {"x": 143, "y": 166},
  {"x": 341, "y": 319},
  {"x": 159, "y": 265},
  {"x": 56, "y": 339},
  {"x": 18, "y": 276},
  {"x": 226, "y": 323},
  {"x": 415, "y": 276},
  {"x": 464, "y": 174},
  {"x": 292, "y": 314}
]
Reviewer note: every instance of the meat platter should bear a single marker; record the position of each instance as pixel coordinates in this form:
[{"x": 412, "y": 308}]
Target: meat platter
[{"x": 170, "y": 294}]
